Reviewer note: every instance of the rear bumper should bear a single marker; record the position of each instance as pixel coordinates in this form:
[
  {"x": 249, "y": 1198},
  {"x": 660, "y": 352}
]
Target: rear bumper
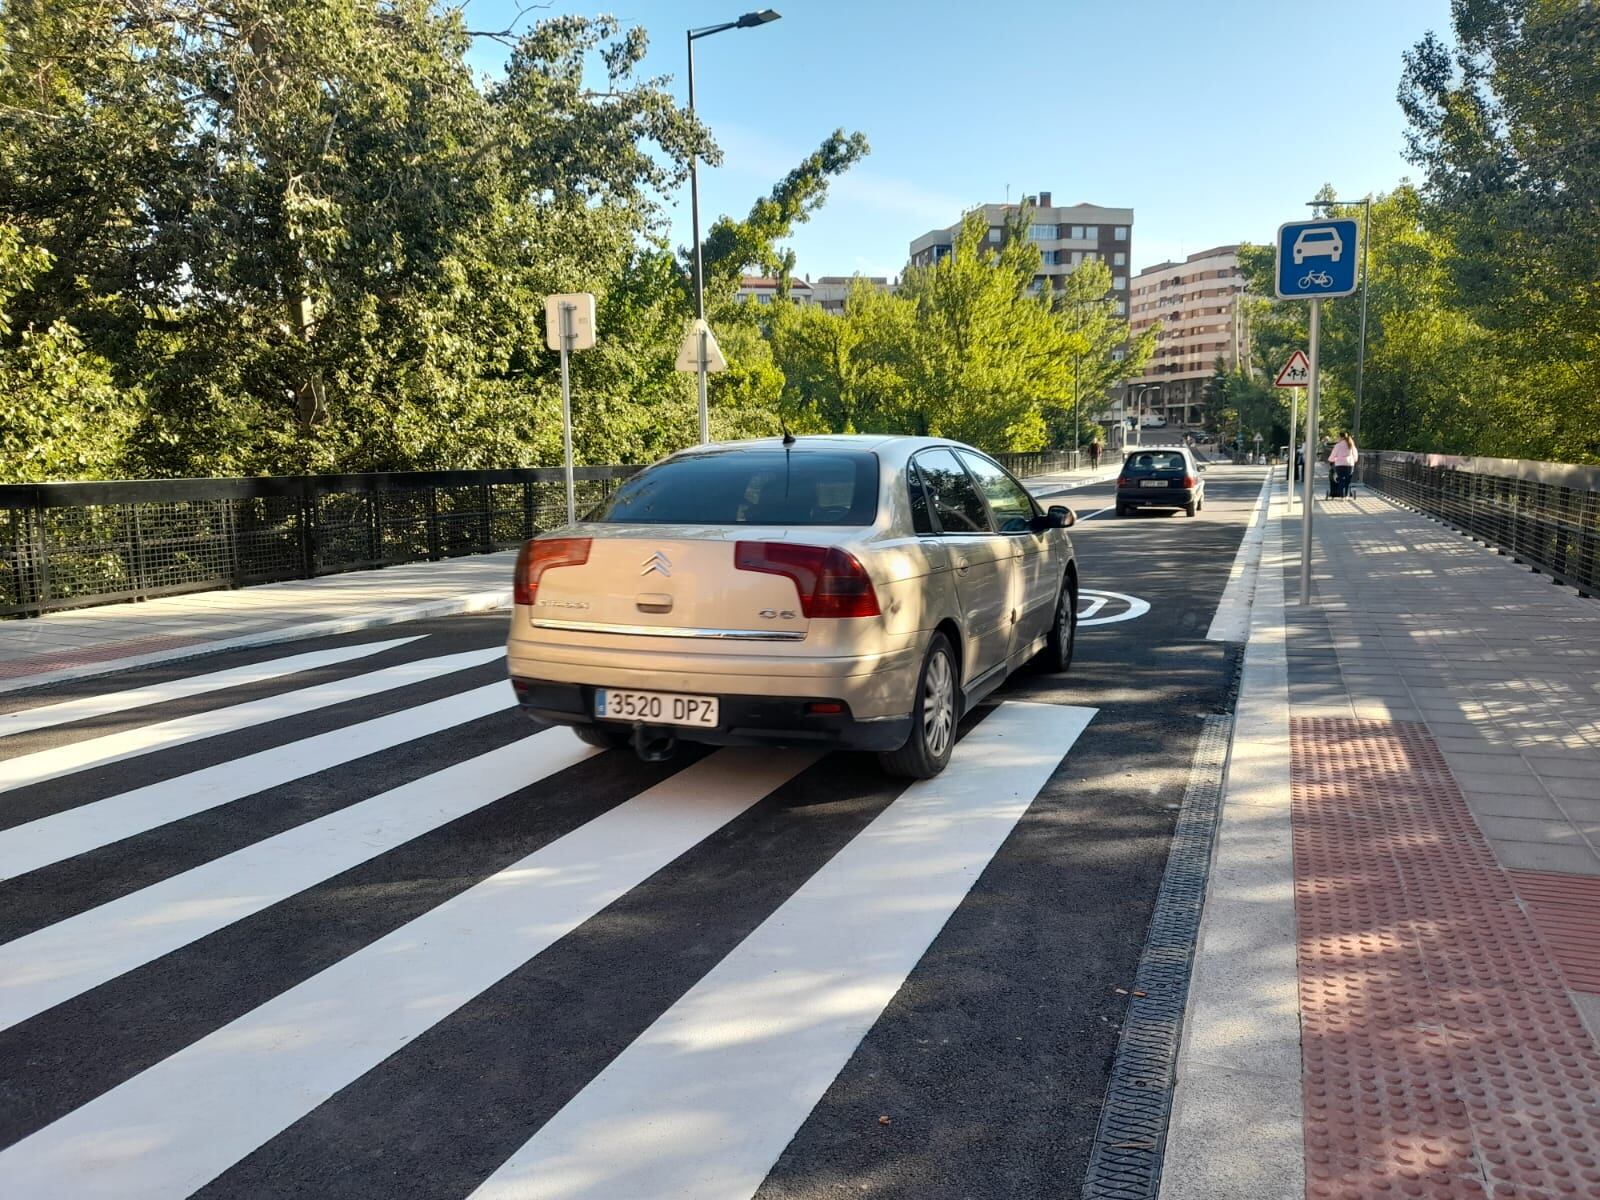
[
  {"x": 1172, "y": 497},
  {"x": 744, "y": 720}
]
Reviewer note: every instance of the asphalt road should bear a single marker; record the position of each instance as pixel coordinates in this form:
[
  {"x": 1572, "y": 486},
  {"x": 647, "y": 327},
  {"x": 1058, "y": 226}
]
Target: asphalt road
[{"x": 315, "y": 933}]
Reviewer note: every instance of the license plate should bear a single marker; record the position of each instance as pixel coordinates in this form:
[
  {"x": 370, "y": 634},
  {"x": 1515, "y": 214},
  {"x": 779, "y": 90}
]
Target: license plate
[
  {"x": 655, "y": 708},
  {"x": 1152, "y": 483}
]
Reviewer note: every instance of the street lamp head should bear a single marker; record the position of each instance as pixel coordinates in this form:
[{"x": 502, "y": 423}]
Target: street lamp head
[{"x": 764, "y": 17}]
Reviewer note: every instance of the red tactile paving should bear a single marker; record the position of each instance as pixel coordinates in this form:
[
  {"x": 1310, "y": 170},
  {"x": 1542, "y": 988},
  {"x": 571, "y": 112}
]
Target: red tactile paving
[
  {"x": 38, "y": 664},
  {"x": 1566, "y": 908},
  {"x": 1442, "y": 1056}
]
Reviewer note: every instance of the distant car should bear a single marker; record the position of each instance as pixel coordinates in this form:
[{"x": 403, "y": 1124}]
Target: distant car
[
  {"x": 1160, "y": 477},
  {"x": 1151, "y": 421},
  {"x": 1314, "y": 243},
  {"x": 858, "y": 592}
]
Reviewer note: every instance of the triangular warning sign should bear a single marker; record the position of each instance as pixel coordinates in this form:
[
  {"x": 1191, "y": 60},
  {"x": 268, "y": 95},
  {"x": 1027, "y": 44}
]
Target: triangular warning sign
[
  {"x": 693, "y": 345},
  {"x": 1296, "y": 372}
]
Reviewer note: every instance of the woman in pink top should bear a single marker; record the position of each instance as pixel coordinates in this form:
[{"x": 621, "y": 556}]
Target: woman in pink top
[{"x": 1342, "y": 460}]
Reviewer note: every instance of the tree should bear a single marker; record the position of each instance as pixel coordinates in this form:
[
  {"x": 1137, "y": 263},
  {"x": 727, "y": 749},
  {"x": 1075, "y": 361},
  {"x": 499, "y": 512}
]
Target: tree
[
  {"x": 1503, "y": 126},
  {"x": 1102, "y": 355},
  {"x": 310, "y": 240},
  {"x": 60, "y": 414}
]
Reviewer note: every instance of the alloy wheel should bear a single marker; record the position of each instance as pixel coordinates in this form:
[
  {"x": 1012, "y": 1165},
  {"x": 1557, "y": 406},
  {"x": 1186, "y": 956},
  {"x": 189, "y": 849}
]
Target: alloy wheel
[{"x": 938, "y": 705}]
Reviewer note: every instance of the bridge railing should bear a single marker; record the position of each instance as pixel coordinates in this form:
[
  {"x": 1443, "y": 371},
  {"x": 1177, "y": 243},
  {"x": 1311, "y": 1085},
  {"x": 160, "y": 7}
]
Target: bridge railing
[
  {"x": 1546, "y": 515},
  {"x": 69, "y": 545},
  {"x": 66, "y": 545}
]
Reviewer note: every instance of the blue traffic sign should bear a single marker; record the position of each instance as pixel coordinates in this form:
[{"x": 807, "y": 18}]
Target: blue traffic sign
[{"x": 1317, "y": 259}]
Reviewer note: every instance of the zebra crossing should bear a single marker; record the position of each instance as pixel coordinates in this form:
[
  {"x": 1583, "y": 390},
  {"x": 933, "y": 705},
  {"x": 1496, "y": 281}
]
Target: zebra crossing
[{"x": 235, "y": 977}]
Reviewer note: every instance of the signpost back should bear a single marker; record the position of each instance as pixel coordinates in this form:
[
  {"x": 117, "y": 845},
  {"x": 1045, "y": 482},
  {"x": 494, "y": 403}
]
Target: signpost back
[{"x": 1317, "y": 259}]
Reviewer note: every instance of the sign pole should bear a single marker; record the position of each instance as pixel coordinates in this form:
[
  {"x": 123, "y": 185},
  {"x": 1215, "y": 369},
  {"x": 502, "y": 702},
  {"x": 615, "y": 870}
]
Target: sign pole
[
  {"x": 568, "y": 337},
  {"x": 704, "y": 365},
  {"x": 1309, "y": 502},
  {"x": 1294, "y": 429}
]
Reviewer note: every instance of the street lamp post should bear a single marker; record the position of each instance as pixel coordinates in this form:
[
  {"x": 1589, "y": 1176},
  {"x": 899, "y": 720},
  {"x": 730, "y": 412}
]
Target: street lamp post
[
  {"x": 749, "y": 21},
  {"x": 1138, "y": 404},
  {"x": 1361, "y": 345}
]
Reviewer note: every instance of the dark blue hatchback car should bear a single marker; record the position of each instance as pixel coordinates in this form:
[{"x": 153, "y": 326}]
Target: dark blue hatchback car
[{"x": 1160, "y": 477}]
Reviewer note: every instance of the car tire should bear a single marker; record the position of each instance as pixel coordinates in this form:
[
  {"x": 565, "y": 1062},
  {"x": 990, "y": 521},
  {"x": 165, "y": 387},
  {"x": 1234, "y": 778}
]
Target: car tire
[
  {"x": 933, "y": 729},
  {"x": 1056, "y": 657},
  {"x": 605, "y": 737},
  {"x": 1122, "y": 510},
  {"x": 1191, "y": 509}
]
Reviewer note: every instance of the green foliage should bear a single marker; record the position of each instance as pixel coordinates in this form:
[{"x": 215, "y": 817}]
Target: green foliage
[
  {"x": 1436, "y": 378},
  {"x": 968, "y": 348},
  {"x": 1503, "y": 127},
  {"x": 60, "y": 414}
]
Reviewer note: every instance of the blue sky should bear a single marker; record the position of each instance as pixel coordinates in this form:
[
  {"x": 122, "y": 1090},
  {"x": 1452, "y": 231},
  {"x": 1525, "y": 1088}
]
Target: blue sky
[{"x": 1213, "y": 119}]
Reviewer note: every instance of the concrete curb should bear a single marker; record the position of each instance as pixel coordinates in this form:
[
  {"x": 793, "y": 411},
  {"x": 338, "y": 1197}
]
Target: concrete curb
[
  {"x": 471, "y": 602},
  {"x": 1237, "y": 1114}
]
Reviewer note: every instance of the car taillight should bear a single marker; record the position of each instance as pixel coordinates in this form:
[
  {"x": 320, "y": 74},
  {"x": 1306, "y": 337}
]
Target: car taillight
[
  {"x": 830, "y": 582},
  {"x": 537, "y": 557},
  {"x": 1189, "y": 481},
  {"x": 1122, "y": 481}
]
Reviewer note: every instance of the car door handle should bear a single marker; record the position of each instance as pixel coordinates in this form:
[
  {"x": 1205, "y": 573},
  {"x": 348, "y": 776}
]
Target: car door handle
[{"x": 962, "y": 566}]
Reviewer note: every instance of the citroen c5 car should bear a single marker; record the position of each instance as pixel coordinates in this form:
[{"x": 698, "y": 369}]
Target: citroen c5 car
[
  {"x": 852, "y": 591},
  {"x": 1160, "y": 477}
]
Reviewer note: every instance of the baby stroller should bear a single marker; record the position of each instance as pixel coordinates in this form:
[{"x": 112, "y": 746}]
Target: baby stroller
[{"x": 1335, "y": 492}]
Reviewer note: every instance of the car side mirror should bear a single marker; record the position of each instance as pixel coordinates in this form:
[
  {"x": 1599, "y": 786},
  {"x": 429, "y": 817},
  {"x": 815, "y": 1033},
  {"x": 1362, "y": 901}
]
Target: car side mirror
[{"x": 1061, "y": 517}]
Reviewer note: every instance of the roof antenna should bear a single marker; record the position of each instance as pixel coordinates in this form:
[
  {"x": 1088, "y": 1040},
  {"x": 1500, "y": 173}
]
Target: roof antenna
[{"x": 788, "y": 438}]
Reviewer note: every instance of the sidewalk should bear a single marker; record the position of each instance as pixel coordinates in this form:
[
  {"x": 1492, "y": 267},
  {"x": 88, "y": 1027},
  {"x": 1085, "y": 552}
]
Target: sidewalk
[
  {"x": 111, "y": 637},
  {"x": 1400, "y": 950}
]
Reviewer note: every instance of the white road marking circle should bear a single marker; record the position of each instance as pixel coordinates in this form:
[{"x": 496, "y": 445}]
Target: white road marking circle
[{"x": 1092, "y": 601}]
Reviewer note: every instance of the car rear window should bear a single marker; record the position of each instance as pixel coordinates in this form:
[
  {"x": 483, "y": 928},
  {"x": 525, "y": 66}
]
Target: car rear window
[
  {"x": 1154, "y": 460},
  {"x": 751, "y": 487}
]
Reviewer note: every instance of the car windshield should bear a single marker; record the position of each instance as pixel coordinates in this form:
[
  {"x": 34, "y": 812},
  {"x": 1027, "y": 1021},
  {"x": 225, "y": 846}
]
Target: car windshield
[
  {"x": 751, "y": 487},
  {"x": 1154, "y": 460}
]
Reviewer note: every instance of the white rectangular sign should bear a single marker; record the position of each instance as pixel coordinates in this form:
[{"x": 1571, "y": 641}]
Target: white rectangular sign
[{"x": 582, "y": 317}]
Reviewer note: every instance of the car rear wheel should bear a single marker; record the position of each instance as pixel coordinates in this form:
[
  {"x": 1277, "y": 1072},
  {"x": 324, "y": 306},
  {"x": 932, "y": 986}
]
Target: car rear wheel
[
  {"x": 606, "y": 737},
  {"x": 1191, "y": 509},
  {"x": 1056, "y": 657},
  {"x": 933, "y": 718}
]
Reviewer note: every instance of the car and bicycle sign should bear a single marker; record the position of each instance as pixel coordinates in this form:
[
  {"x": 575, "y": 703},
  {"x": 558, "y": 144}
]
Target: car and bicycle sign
[
  {"x": 1316, "y": 262},
  {"x": 1316, "y": 259}
]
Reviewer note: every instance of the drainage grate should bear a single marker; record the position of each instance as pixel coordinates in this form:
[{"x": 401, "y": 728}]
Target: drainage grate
[{"x": 1125, "y": 1162}]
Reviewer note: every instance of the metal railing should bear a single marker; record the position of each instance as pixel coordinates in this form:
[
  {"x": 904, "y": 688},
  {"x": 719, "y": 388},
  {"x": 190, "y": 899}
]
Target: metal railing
[
  {"x": 1038, "y": 462},
  {"x": 1546, "y": 515},
  {"x": 67, "y": 545},
  {"x": 70, "y": 545}
]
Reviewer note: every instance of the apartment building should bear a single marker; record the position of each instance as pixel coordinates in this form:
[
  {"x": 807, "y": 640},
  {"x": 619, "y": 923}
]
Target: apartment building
[
  {"x": 1197, "y": 303},
  {"x": 827, "y": 292},
  {"x": 1067, "y": 236},
  {"x": 763, "y": 289}
]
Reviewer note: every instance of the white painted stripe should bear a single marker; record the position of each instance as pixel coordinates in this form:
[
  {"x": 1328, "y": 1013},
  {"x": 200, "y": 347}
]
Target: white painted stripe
[
  {"x": 44, "y": 968},
  {"x": 1231, "y": 621},
  {"x": 704, "y": 1101},
  {"x": 168, "y": 1131},
  {"x": 46, "y": 715},
  {"x": 77, "y": 830},
  {"x": 130, "y": 743}
]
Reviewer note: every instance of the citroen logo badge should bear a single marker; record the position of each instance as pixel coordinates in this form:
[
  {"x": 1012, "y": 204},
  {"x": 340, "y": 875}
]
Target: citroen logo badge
[{"x": 659, "y": 563}]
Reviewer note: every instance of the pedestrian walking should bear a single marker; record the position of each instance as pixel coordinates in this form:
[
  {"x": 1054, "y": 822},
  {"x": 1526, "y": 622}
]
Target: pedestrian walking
[
  {"x": 1094, "y": 454},
  {"x": 1299, "y": 463},
  {"x": 1342, "y": 461}
]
